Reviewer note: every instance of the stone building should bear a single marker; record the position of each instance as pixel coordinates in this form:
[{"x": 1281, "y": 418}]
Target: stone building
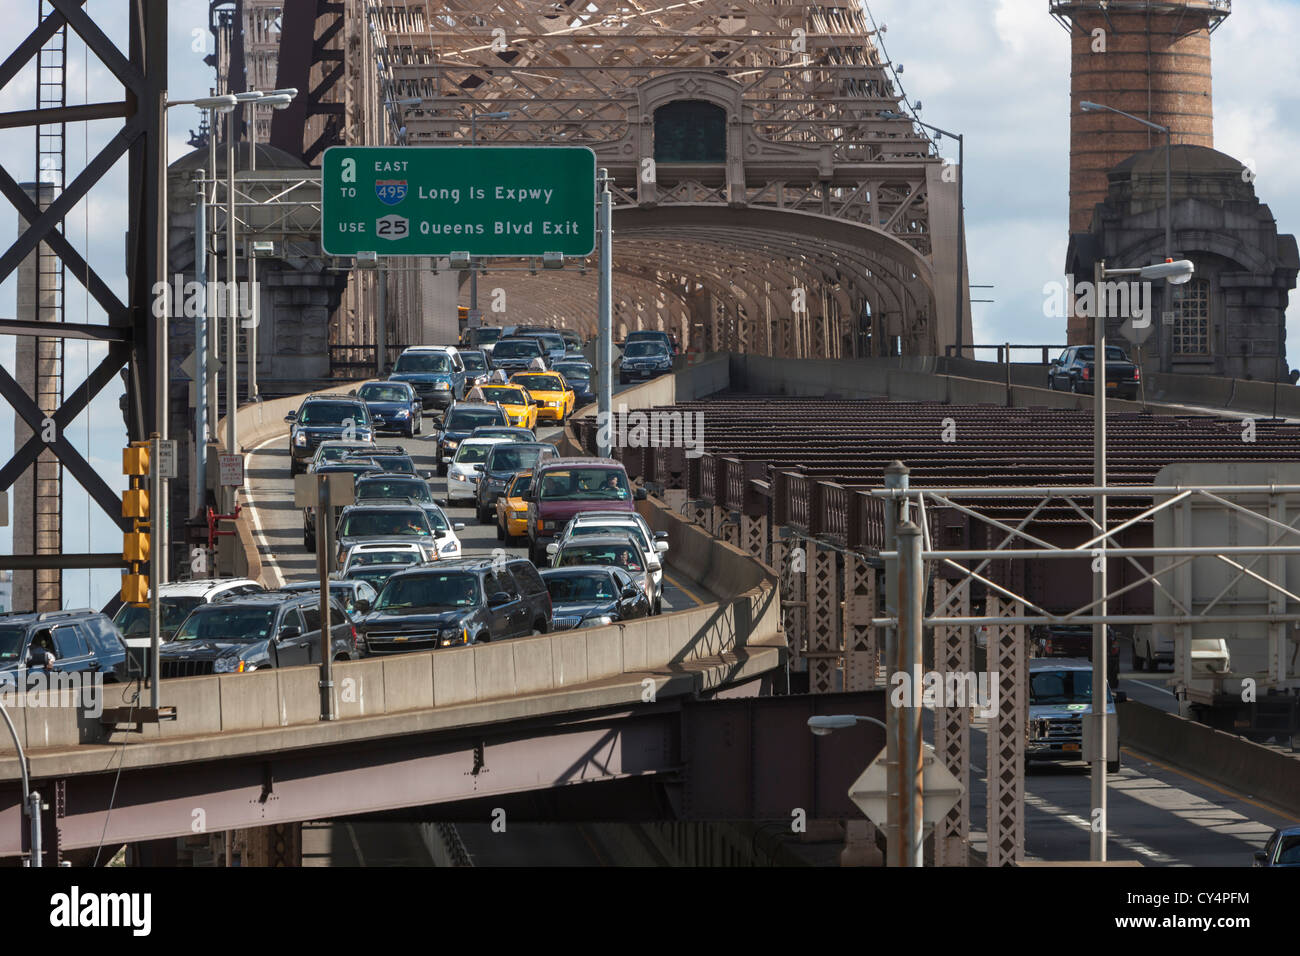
[{"x": 1230, "y": 319}]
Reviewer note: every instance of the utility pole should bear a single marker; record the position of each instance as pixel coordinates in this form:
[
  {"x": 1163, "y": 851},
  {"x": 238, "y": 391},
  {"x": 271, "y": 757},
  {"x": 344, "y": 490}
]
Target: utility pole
[
  {"x": 908, "y": 849},
  {"x": 324, "y": 545},
  {"x": 605, "y": 308},
  {"x": 896, "y": 515},
  {"x": 1098, "y": 717}
]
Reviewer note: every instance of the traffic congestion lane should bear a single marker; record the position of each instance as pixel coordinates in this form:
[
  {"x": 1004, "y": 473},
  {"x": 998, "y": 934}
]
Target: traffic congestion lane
[{"x": 278, "y": 523}]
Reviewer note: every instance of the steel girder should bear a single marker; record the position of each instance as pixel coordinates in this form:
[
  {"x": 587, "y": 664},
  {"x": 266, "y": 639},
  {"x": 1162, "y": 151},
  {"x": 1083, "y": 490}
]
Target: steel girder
[{"x": 142, "y": 71}]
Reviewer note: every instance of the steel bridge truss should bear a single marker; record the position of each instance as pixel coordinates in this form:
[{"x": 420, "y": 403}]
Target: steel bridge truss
[{"x": 128, "y": 331}]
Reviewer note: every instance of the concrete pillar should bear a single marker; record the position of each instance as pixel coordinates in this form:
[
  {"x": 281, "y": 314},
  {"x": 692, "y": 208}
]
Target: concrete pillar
[{"x": 37, "y": 495}]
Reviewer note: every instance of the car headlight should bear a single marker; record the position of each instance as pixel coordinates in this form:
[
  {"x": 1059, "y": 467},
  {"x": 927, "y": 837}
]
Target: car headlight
[
  {"x": 300, "y": 438},
  {"x": 232, "y": 665},
  {"x": 443, "y": 386},
  {"x": 403, "y": 413},
  {"x": 452, "y": 443},
  {"x": 450, "y": 546},
  {"x": 599, "y": 620}
]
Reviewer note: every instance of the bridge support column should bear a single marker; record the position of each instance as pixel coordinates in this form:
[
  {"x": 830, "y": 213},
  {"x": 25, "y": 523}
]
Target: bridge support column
[
  {"x": 825, "y": 647},
  {"x": 675, "y": 498},
  {"x": 790, "y": 561},
  {"x": 753, "y": 536},
  {"x": 724, "y": 527},
  {"x": 278, "y": 845},
  {"x": 862, "y": 647},
  {"x": 952, "y": 659},
  {"x": 1006, "y": 735}
]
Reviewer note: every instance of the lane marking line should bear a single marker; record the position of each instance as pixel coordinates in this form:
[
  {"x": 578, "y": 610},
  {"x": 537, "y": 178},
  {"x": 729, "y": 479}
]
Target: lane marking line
[
  {"x": 685, "y": 590},
  {"x": 265, "y": 548},
  {"x": 1187, "y": 775}
]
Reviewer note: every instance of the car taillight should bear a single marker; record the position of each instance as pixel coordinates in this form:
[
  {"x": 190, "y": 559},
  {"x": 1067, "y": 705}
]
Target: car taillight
[
  {"x": 1047, "y": 647},
  {"x": 1137, "y": 375},
  {"x": 1087, "y": 373},
  {"x": 354, "y": 636}
]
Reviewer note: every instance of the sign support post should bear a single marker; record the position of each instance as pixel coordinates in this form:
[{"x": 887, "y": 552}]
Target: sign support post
[{"x": 605, "y": 308}]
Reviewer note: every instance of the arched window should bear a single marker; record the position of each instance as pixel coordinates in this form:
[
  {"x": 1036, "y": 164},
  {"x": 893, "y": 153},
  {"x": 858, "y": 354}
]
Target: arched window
[
  {"x": 690, "y": 131},
  {"x": 1192, "y": 319}
]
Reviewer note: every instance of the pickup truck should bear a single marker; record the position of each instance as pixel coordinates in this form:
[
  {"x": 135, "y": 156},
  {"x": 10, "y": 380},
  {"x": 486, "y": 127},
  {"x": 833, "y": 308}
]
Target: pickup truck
[{"x": 1074, "y": 371}]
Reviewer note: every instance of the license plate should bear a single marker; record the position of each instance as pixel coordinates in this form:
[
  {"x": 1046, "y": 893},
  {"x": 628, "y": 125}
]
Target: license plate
[
  {"x": 1069, "y": 746},
  {"x": 1112, "y": 384}
]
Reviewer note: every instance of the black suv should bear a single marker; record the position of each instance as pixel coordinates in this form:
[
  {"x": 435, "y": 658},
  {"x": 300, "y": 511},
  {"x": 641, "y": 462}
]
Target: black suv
[
  {"x": 386, "y": 519},
  {"x": 503, "y": 462},
  {"x": 452, "y": 603},
  {"x": 459, "y": 422},
  {"x": 274, "y": 629},
  {"x": 1075, "y": 371},
  {"x": 81, "y": 641},
  {"x": 354, "y": 466},
  {"x": 323, "y": 417},
  {"x": 516, "y": 355}
]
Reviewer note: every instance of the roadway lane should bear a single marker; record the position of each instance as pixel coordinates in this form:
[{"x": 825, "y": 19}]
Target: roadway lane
[{"x": 279, "y": 524}]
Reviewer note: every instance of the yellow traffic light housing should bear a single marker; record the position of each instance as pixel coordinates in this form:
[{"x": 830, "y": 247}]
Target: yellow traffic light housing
[{"x": 137, "y": 544}]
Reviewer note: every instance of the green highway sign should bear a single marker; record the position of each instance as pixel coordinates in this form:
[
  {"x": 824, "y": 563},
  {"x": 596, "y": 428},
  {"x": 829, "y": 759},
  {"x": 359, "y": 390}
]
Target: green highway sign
[{"x": 436, "y": 200}]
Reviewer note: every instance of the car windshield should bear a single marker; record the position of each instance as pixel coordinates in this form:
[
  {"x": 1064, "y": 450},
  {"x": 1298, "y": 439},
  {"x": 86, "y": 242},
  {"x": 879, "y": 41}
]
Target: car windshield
[
  {"x": 573, "y": 484},
  {"x": 375, "y": 521},
  {"x": 589, "y": 529},
  {"x": 423, "y": 362},
  {"x": 506, "y": 395},
  {"x": 623, "y": 555},
  {"x": 517, "y": 348},
  {"x": 509, "y": 458},
  {"x": 521, "y": 486},
  {"x": 133, "y": 621},
  {"x": 11, "y": 642},
  {"x": 474, "y": 361},
  {"x": 542, "y": 383},
  {"x": 551, "y": 342},
  {"x": 467, "y": 419},
  {"x": 363, "y": 558},
  {"x": 472, "y": 454},
  {"x": 375, "y": 576},
  {"x": 1288, "y": 850},
  {"x": 217, "y": 622},
  {"x": 338, "y": 452},
  {"x": 644, "y": 349},
  {"x": 580, "y": 587},
  {"x": 485, "y": 334},
  {"x": 353, "y": 467},
  {"x": 1061, "y": 687},
  {"x": 1113, "y": 354},
  {"x": 332, "y": 413},
  {"x": 645, "y": 335},
  {"x": 398, "y": 464},
  {"x": 383, "y": 393},
  {"x": 437, "y": 589},
  {"x": 574, "y": 371},
  {"x": 416, "y": 488},
  {"x": 437, "y": 520}
]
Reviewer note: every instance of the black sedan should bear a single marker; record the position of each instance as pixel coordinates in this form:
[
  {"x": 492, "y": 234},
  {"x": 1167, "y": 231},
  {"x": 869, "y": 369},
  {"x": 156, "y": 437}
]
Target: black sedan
[{"x": 593, "y": 595}]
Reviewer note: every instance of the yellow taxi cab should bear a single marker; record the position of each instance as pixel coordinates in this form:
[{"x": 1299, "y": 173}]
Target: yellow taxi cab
[
  {"x": 512, "y": 509},
  {"x": 515, "y": 401},
  {"x": 554, "y": 397}
]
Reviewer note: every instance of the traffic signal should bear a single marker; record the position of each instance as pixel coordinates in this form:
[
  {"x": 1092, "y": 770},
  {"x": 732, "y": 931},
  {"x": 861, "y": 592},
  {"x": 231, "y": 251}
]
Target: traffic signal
[{"x": 136, "y": 543}]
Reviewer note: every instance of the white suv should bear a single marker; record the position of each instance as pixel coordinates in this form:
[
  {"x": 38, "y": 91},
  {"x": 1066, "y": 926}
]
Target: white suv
[
  {"x": 653, "y": 543},
  {"x": 175, "y": 601}
]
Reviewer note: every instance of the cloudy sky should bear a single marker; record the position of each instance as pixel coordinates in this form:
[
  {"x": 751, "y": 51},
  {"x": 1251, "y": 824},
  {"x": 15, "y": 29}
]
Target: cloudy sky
[{"x": 996, "y": 70}]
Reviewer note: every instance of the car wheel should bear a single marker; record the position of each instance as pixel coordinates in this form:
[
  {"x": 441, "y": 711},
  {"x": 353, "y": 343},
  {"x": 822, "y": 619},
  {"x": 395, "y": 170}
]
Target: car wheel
[
  {"x": 1074, "y": 386},
  {"x": 484, "y": 638},
  {"x": 541, "y": 626},
  {"x": 659, "y": 606},
  {"x": 1141, "y": 661},
  {"x": 1112, "y": 766},
  {"x": 484, "y": 516},
  {"x": 1051, "y": 383},
  {"x": 442, "y": 470},
  {"x": 309, "y": 542},
  {"x": 501, "y": 534}
]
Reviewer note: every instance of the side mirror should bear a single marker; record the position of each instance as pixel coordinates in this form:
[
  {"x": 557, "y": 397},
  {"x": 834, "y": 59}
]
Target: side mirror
[
  {"x": 291, "y": 417},
  {"x": 639, "y": 494},
  {"x": 478, "y": 467},
  {"x": 290, "y": 630},
  {"x": 630, "y": 591},
  {"x": 1261, "y": 857},
  {"x": 654, "y": 566},
  {"x": 499, "y": 599},
  {"x": 458, "y": 526},
  {"x": 362, "y": 605},
  {"x": 552, "y": 548},
  {"x": 353, "y": 392},
  {"x": 661, "y": 546},
  {"x": 426, "y": 475}
]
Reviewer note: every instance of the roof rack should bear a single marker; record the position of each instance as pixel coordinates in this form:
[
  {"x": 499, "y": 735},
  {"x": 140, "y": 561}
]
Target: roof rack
[{"x": 66, "y": 612}]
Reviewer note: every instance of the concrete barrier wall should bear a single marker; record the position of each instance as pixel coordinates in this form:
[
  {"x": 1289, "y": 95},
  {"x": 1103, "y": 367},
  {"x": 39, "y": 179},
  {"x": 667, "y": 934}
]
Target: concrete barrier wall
[
  {"x": 748, "y": 616},
  {"x": 1246, "y": 767}
]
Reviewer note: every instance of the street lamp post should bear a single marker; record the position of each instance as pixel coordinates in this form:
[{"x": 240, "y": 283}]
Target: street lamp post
[
  {"x": 1176, "y": 273},
  {"x": 961, "y": 220}
]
